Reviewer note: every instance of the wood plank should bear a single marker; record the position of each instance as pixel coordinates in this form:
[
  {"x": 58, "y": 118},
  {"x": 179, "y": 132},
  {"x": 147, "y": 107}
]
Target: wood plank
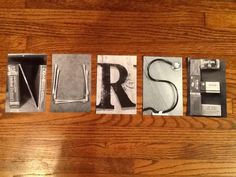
[
  {"x": 12, "y": 4},
  {"x": 10, "y": 174},
  {"x": 77, "y": 148},
  {"x": 185, "y": 167},
  {"x": 136, "y": 5},
  {"x": 74, "y": 165},
  {"x": 12, "y": 42},
  {"x": 221, "y": 21},
  {"x": 104, "y": 45},
  {"x": 129, "y": 27},
  {"x": 123, "y": 166},
  {"x": 106, "y": 17},
  {"x": 172, "y": 132},
  {"x": 94, "y": 24}
]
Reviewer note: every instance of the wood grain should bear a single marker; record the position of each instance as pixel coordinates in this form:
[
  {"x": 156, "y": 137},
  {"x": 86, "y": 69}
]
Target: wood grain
[
  {"x": 136, "y": 5},
  {"x": 90, "y": 145},
  {"x": 221, "y": 21},
  {"x": 12, "y": 5},
  {"x": 12, "y": 42}
]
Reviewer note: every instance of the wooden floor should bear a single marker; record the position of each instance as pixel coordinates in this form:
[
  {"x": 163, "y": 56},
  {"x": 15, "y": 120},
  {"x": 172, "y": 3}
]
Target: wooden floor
[{"x": 90, "y": 145}]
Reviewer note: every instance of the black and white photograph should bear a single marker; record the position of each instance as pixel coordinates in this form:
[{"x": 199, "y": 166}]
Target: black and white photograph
[
  {"x": 116, "y": 84},
  {"x": 162, "y": 86},
  {"x": 206, "y": 88},
  {"x": 26, "y": 83},
  {"x": 71, "y": 83}
]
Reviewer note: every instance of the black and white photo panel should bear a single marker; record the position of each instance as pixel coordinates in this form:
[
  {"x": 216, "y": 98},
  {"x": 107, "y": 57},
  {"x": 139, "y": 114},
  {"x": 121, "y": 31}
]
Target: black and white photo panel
[
  {"x": 206, "y": 87},
  {"x": 162, "y": 86},
  {"x": 71, "y": 83},
  {"x": 26, "y": 83},
  {"x": 116, "y": 84}
]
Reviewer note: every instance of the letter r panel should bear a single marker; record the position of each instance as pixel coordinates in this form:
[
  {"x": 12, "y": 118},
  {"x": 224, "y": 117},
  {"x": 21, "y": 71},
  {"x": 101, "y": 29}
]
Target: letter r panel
[{"x": 116, "y": 84}]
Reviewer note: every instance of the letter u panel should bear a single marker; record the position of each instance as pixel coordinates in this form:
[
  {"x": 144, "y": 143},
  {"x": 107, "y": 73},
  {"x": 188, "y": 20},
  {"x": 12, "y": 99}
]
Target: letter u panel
[
  {"x": 71, "y": 83},
  {"x": 116, "y": 84}
]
